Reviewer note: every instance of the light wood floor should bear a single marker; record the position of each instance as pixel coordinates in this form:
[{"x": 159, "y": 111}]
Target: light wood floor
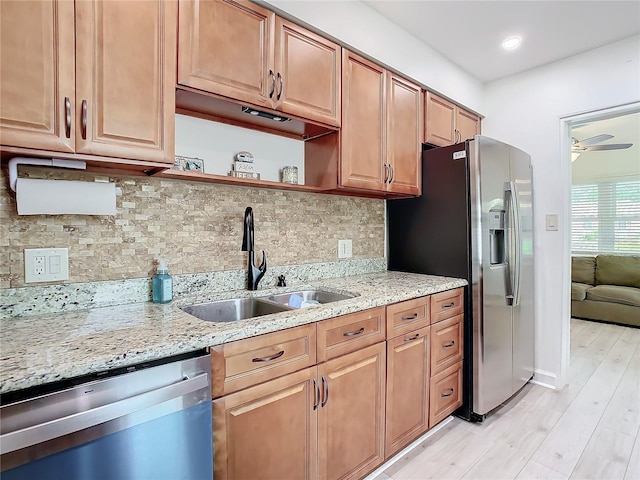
[{"x": 590, "y": 429}]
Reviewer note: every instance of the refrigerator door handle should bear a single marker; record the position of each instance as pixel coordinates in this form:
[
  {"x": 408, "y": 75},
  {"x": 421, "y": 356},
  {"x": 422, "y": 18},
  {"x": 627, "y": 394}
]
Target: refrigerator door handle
[
  {"x": 513, "y": 249},
  {"x": 509, "y": 240}
]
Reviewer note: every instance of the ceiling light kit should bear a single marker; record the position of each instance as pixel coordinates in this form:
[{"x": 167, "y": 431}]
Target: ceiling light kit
[{"x": 512, "y": 42}]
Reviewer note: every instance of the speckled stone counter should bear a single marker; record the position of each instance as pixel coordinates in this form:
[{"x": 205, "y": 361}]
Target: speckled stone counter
[{"x": 45, "y": 348}]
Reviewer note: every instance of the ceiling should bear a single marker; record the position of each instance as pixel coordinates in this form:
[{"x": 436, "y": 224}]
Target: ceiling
[{"x": 470, "y": 33}]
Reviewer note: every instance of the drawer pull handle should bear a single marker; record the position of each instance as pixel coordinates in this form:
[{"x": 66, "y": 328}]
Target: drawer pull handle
[
  {"x": 351, "y": 334},
  {"x": 448, "y": 394},
  {"x": 411, "y": 317},
  {"x": 449, "y": 345},
  {"x": 410, "y": 339},
  {"x": 449, "y": 305},
  {"x": 268, "y": 359},
  {"x": 67, "y": 117},
  {"x": 83, "y": 119},
  {"x": 325, "y": 384},
  {"x": 316, "y": 394},
  {"x": 281, "y": 81},
  {"x": 273, "y": 83}
]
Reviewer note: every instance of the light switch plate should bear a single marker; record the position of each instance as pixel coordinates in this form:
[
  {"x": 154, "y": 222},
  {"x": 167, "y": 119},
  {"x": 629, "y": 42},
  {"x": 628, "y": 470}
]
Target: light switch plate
[
  {"x": 552, "y": 222},
  {"x": 46, "y": 264},
  {"x": 344, "y": 249}
]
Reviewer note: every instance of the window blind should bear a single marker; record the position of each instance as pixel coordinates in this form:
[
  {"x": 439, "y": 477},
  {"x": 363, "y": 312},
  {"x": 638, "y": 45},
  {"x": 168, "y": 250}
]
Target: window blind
[{"x": 605, "y": 217}]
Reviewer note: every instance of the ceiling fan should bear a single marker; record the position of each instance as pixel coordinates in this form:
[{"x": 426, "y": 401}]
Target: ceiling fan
[{"x": 591, "y": 145}]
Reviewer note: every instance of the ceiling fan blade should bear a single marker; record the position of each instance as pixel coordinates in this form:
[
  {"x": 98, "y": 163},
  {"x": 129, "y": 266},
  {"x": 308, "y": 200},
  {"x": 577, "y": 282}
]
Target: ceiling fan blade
[
  {"x": 593, "y": 140},
  {"x": 612, "y": 146}
]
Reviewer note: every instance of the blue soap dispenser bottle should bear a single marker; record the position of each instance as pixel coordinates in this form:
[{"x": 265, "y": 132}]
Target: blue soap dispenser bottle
[{"x": 162, "y": 284}]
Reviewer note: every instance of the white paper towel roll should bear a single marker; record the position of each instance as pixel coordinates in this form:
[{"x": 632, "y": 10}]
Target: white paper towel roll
[{"x": 54, "y": 197}]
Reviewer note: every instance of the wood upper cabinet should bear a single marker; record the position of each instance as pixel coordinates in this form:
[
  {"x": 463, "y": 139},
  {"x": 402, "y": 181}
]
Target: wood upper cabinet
[
  {"x": 351, "y": 415},
  {"x": 94, "y": 77},
  {"x": 268, "y": 431},
  {"x": 405, "y": 124},
  {"x": 244, "y": 52},
  {"x": 446, "y": 123},
  {"x": 37, "y": 65},
  {"x": 407, "y": 389},
  {"x": 382, "y": 129},
  {"x": 125, "y": 80}
]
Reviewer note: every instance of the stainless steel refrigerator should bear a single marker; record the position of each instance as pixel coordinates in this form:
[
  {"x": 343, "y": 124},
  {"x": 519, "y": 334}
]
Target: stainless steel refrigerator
[{"x": 474, "y": 220}]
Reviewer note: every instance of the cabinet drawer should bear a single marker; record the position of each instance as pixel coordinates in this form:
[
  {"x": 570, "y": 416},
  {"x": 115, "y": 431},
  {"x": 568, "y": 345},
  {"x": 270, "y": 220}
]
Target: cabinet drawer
[
  {"x": 405, "y": 317},
  {"x": 446, "y": 343},
  {"x": 446, "y": 304},
  {"x": 243, "y": 363},
  {"x": 445, "y": 393},
  {"x": 342, "y": 335}
]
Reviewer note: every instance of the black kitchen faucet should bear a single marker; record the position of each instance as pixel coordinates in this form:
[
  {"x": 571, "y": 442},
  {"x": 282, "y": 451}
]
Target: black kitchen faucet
[{"x": 254, "y": 274}]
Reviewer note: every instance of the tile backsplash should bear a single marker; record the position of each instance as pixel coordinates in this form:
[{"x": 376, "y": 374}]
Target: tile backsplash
[{"x": 197, "y": 227}]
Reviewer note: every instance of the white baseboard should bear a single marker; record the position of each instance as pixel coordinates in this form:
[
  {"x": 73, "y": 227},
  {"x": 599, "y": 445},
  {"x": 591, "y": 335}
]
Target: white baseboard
[
  {"x": 544, "y": 378},
  {"x": 407, "y": 449}
]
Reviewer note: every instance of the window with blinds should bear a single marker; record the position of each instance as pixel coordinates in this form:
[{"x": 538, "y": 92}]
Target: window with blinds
[{"x": 605, "y": 217}]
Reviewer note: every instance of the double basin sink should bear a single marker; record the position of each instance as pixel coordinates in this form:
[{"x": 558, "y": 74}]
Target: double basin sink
[{"x": 244, "y": 308}]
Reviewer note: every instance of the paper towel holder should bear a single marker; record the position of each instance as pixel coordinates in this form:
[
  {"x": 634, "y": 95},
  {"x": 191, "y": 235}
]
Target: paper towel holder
[{"x": 44, "y": 162}]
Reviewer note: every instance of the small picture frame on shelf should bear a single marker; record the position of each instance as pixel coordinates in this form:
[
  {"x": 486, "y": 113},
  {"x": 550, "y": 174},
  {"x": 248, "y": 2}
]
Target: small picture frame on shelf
[{"x": 188, "y": 164}]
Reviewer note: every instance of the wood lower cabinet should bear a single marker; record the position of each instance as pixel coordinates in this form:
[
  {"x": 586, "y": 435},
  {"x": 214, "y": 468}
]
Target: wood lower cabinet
[
  {"x": 408, "y": 375},
  {"x": 94, "y": 77},
  {"x": 445, "y": 394},
  {"x": 351, "y": 417},
  {"x": 382, "y": 129},
  {"x": 446, "y": 123},
  {"x": 244, "y": 52},
  {"x": 268, "y": 431}
]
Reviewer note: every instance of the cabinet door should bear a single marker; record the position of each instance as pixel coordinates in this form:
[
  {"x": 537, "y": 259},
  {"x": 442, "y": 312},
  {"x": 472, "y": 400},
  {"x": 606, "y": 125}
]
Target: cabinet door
[
  {"x": 226, "y": 47},
  {"x": 351, "y": 420},
  {"x": 308, "y": 74},
  {"x": 125, "y": 79},
  {"x": 405, "y": 126},
  {"x": 37, "y": 74},
  {"x": 467, "y": 124},
  {"x": 268, "y": 431},
  {"x": 407, "y": 389},
  {"x": 440, "y": 121},
  {"x": 362, "y": 142}
]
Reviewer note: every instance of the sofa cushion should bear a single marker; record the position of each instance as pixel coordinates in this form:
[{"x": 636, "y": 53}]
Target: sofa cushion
[
  {"x": 618, "y": 270},
  {"x": 583, "y": 270},
  {"x": 614, "y": 294},
  {"x": 579, "y": 290}
]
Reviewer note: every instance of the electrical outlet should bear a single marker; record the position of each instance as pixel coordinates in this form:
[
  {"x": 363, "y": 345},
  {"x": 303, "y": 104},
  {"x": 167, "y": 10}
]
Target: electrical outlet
[
  {"x": 344, "y": 249},
  {"x": 46, "y": 264}
]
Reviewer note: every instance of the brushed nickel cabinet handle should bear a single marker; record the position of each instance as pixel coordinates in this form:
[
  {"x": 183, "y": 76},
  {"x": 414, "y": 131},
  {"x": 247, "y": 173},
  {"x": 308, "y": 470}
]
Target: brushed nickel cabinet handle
[
  {"x": 448, "y": 394},
  {"x": 273, "y": 83},
  {"x": 281, "y": 81},
  {"x": 449, "y": 345},
  {"x": 67, "y": 116},
  {"x": 412, "y": 317},
  {"x": 316, "y": 394},
  {"x": 392, "y": 173},
  {"x": 411, "y": 339},
  {"x": 325, "y": 398},
  {"x": 84, "y": 119},
  {"x": 268, "y": 359},
  {"x": 449, "y": 305},
  {"x": 351, "y": 334},
  {"x": 386, "y": 173}
]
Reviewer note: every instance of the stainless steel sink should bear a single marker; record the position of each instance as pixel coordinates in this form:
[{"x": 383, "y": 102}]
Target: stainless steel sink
[
  {"x": 233, "y": 309},
  {"x": 309, "y": 296}
]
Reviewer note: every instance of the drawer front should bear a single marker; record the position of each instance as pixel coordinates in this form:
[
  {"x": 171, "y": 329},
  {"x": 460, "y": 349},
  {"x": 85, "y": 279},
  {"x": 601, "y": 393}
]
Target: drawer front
[
  {"x": 446, "y": 304},
  {"x": 243, "y": 363},
  {"x": 346, "y": 334},
  {"x": 405, "y": 317},
  {"x": 446, "y": 344},
  {"x": 445, "y": 394}
]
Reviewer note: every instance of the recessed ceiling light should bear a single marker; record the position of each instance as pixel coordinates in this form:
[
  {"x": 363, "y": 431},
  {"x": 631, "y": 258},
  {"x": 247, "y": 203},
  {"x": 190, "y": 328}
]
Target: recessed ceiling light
[{"x": 511, "y": 43}]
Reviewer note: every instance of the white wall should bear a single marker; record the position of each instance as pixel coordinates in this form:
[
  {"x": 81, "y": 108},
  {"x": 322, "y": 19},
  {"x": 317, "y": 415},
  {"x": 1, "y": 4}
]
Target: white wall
[
  {"x": 357, "y": 25},
  {"x": 526, "y": 110}
]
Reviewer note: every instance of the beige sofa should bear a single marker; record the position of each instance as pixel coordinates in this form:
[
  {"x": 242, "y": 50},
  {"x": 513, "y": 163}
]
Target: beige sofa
[{"x": 606, "y": 288}]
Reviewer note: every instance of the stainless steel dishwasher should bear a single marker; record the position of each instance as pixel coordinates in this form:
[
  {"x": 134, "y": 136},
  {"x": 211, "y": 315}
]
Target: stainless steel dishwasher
[{"x": 145, "y": 422}]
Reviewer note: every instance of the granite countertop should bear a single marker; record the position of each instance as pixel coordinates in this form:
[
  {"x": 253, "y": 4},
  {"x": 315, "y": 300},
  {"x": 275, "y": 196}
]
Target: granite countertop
[{"x": 40, "y": 349}]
